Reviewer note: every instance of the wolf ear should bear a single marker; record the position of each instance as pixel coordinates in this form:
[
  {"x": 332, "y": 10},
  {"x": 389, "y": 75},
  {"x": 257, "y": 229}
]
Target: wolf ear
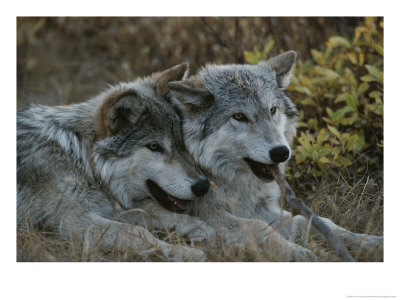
[
  {"x": 190, "y": 96},
  {"x": 283, "y": 66},
  {"x": 178, "y": 72},
  {"x": 119, "y": 110}
]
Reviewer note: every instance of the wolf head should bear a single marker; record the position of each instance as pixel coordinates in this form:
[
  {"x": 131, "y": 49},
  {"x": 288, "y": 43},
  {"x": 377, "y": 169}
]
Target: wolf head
[
  {"x": 139, "y": 150},
  {"x": 237, "y": 118}
]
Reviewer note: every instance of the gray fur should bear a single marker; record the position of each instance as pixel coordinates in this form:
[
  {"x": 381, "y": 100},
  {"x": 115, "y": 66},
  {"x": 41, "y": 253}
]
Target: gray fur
[
  {"x": 77, "y": 165},
  {"x": 219, "y": 143}
]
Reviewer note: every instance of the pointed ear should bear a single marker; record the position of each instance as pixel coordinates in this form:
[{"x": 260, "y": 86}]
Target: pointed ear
[
  {"x": 283, "y": 66},
  {"x": 178, "y": 72},
  {"x": 120, "y": 110},
  {"x": 190, "y": 96}
]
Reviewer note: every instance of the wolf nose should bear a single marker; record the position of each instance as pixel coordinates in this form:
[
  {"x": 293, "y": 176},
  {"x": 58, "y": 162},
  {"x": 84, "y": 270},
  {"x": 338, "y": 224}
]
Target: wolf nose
[
  {"x": 279, "y": 154},
  {"x": 200, "y": 187}
]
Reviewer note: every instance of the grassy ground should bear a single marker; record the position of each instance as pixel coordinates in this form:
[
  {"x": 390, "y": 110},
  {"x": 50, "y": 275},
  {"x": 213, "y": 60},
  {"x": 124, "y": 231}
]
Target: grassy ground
[
  {"x": 354, "y": 203},
  {"x": 63, "y": 61}
]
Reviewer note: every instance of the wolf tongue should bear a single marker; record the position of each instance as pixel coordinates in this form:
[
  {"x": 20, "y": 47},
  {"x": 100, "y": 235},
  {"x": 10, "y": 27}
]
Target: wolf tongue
[{"x": 179, "y": 203}]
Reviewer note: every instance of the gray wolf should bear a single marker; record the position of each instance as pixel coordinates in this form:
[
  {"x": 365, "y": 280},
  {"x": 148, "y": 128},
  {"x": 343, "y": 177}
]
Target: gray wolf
[
  {"x": 79, "y": 166},
  {"x": 237, "y": 119}
]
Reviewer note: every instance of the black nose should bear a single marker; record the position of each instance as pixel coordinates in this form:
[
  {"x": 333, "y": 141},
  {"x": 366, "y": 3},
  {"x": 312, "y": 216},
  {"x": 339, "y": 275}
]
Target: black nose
[
  {"x": 200, "y": 187},
  {"x": 279, "y": 154}
]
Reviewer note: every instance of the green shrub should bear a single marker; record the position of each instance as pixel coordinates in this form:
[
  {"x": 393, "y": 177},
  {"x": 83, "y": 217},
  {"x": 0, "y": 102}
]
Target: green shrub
[{"x": 340, "y": 97}]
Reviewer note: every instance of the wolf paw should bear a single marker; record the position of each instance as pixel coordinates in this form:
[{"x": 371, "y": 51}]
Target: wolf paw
[
  {"x": 368, "y": 243},
  {"x": 142, "y": 239},
  {"x": 283, "y": 249},
  {"x": 196, "y": 231},
  {"x": 300, "y": 253},
  {"x": 182, "y": 253},
  {"x": 201, "y": 233}
]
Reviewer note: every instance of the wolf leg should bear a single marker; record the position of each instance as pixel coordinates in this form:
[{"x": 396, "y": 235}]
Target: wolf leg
[
  {"x": 254, "y": 233},
  {"x": 152, "y": 216},
  {"x": 95, "y": 230},
  {"x": 355, "y": 241}
]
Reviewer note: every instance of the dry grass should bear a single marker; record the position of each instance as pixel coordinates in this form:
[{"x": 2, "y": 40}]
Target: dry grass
[
  {"x": 67, "y": 60},
  {"x": 355, "y": 205}
]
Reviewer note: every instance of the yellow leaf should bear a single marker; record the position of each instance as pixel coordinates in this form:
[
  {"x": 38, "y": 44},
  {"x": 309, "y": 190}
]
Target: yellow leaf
[
  {"x": 334, "y": 131},
  {"x": 352, "y": 57},
  {"x": 321, "y": 136},
  {"x": 379, "y": 49},
  {"x": 318, "y": 56},
  {"x": 327, "y": 73},
  {"x": 324, "y": 151},
  {"x": 335, "y": 152},
  {"x": 352, "y": 142},
  {"x": 344, "y": 161},
  {"x": 324, "y": 160},
  {"x": 361, "y": 58},
  {"x": 337, "y": 41},
  {"x": 373, "y": 71}
]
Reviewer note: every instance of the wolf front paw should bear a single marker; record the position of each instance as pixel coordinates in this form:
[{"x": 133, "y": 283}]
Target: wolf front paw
[
  {"x": 196, "y": 231},
  {"x": 184, "y": 254},
  {"x": 141, "y": 239},
  {"x": 301, "y": 254},
  {"x": 281, "y": 249},
  {"x": 368, "y": 243},
  {"x": 201, "y": 233}
]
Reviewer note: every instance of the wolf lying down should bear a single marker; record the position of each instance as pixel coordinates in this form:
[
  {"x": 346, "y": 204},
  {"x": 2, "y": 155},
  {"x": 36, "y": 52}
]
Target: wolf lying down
[
  {"x": 125, "y": 147},
  {"x": 237, "y": 121}
]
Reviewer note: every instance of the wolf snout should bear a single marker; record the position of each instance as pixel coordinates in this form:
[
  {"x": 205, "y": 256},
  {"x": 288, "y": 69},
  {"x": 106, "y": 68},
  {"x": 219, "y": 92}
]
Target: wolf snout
[
  {"x": 200, "y": 187},
  {"x": 279, "y": 154}
]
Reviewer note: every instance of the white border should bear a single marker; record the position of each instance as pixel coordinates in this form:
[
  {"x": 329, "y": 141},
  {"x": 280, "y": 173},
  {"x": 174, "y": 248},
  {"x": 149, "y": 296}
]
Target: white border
[{"x": 207, "y": 280}]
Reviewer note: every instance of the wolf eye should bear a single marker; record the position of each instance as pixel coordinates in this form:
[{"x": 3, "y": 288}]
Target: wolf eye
[
  {"x": 240, "y": 117},
  {"x": 154, "y": 146},
  {"x": 273, "y": 110}
]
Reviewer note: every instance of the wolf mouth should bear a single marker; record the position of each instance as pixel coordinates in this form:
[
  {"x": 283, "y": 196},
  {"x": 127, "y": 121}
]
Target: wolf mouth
[
  {"x": 260, "y": 170},
  {"x": 166, "y": 200}
]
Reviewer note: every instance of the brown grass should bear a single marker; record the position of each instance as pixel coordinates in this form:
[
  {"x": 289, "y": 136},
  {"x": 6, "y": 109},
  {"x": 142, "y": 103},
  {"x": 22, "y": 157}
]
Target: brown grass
[{"x": 355, "y": 205}]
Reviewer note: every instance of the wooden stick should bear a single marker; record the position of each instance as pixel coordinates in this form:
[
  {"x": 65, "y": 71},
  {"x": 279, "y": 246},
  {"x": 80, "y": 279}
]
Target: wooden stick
[{"x": 299, "y": 207}]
